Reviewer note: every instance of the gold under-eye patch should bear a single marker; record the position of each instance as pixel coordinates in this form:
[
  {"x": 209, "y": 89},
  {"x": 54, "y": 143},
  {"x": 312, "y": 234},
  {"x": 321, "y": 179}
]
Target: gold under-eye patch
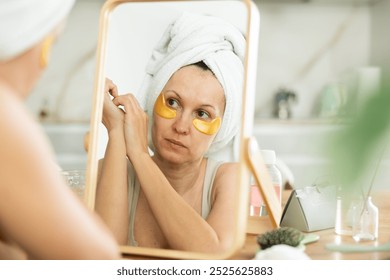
[
  {"x": 161, "y": 109},
  {"x": 45, "y": 51},
  {"x": 208, "y": 128}
]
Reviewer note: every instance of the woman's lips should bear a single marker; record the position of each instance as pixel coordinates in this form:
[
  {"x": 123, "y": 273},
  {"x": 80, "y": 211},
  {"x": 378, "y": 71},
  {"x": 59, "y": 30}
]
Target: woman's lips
[{"x": 177, "y": 143}]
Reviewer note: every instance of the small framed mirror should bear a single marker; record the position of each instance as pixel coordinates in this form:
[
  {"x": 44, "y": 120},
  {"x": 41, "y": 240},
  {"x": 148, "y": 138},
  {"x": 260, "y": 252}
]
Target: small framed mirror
[{"x": 199, "y": 212}]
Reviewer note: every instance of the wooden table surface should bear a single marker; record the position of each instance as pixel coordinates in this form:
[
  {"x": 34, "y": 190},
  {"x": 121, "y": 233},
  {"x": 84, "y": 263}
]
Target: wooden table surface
[{"x": 318, "y": 251}]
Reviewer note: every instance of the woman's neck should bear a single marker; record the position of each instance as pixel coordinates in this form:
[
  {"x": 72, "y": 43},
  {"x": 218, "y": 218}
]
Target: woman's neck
[
  {"x": 7, "y": 87},
  {"x": 21, "y": 73}
]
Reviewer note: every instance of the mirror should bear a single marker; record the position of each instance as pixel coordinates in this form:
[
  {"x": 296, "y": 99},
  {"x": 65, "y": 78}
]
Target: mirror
[{"x": 129, "y": 31}]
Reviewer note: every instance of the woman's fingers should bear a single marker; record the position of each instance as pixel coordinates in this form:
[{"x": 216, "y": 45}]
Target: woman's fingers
[
  {"x": 135, "y": 125},
  {"x": 111, "y": 88},
  {"x": 128, "y": 101}
]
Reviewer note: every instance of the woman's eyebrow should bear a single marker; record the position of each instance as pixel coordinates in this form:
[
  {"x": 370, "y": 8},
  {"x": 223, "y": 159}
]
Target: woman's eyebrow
[
  {"x": 209, "y": 106},
  {"x": 173, "y": 91},
  {"x": 202, "y": 105}
]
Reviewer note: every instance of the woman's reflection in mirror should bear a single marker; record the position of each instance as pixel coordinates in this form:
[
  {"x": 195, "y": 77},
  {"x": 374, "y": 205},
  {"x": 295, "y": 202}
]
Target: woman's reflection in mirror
[{"x": 177, "y": 196}]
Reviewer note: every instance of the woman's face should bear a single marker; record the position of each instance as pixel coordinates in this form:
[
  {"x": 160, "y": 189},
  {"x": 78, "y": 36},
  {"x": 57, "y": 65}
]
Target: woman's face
[{"x": 193, "y": 93}]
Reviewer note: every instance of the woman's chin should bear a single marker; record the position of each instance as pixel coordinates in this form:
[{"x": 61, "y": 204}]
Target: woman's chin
[
  {"x": 176, "y": 159},
  {"x": 172, "y": 156}
]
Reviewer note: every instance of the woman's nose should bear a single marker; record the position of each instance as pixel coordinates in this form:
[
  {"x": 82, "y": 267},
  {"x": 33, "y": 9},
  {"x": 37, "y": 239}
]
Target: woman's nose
[{"x": 182, "y": 124}]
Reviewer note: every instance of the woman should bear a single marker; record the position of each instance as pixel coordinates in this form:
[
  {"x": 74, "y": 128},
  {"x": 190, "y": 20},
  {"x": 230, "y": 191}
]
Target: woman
[
  {"x": 178, "y": 198},
  {"x": 40, "y": 217}
]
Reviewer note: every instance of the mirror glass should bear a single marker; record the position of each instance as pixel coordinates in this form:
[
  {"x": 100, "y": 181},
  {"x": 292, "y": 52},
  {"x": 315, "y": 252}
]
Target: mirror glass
[{"x": 129, "y": 34}]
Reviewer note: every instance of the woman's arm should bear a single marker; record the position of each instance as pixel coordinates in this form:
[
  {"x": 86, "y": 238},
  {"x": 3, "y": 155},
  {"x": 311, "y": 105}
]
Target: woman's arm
[
  {"x": 182, "y": 226},
  {"x": 38, "y": 211},
  {"x": 111, "y": 194}
]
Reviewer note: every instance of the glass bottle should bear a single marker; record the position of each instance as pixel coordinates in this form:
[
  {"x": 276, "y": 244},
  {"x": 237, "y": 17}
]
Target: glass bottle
[
  {"x": 344, "y": 206},
  {"x": 257, "y": 204},
  {"x": 269, "y": 158},
  {"x": 256, "y": 200},
  {"x": 365, "y": 221}
]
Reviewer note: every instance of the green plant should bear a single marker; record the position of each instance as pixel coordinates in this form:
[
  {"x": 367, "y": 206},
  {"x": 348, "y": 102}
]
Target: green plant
[{"x": 363, "y": 141}]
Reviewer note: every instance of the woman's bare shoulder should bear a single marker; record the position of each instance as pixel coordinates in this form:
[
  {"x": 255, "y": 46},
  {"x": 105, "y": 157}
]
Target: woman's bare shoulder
[
  {"x": 23, "y": 142},
  {"x": 13, "y": 113},
  {"x": 228, "y": 167},
  {"x": 225, "y": 182},
  {"x": 226, "y": 174},
  {"x": 17, "y": 125}
]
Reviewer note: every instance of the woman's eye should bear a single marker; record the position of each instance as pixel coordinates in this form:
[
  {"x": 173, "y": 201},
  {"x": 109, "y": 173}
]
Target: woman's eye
[
  {"x": 173, "y": 103},
  {"x": 203, "y": 115}
]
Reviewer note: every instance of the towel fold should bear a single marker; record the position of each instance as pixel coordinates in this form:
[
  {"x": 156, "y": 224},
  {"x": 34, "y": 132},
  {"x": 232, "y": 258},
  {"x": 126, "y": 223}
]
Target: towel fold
[
  {"x": 23, "y": 23},
  {"x": 190, "y": 39}
]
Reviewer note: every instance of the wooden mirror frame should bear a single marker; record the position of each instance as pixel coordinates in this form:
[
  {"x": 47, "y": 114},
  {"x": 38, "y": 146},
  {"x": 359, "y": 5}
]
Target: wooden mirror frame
[{"x": 246, "y": 162}]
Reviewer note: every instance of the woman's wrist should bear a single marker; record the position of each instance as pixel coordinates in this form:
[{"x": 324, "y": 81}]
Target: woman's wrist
[
  {"x": 116, "y": 131},
  {"x": 134, "y": 153}
]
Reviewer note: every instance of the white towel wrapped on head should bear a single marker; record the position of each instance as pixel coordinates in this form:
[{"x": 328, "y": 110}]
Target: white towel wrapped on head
[
  {"x": 193, "y": 38},
  {"x": 23, "y": 23}
]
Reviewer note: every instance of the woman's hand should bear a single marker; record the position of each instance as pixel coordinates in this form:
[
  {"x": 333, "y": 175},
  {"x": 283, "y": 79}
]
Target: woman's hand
[
  {"x": 113, "y": 116},
  {"x": 135, "y": 125}
]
